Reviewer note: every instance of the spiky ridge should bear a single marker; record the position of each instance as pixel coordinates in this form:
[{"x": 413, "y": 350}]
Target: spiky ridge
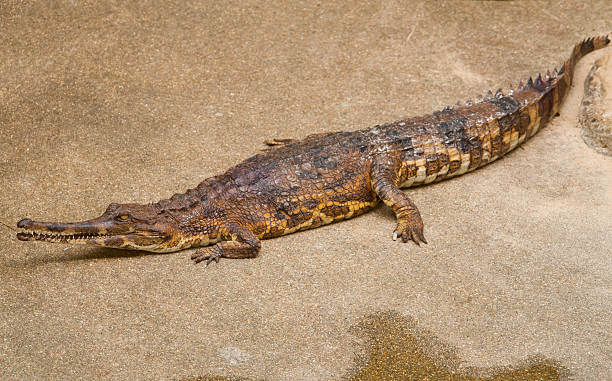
[{"x": 541, "y": 82}]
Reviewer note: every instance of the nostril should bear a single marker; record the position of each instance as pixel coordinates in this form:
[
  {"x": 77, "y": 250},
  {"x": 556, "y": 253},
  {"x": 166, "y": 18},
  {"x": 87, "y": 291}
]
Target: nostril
[{"x": 24, "y": 223}]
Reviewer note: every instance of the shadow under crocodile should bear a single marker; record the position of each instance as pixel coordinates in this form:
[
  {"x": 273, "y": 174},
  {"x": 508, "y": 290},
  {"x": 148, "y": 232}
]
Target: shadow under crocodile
[{"x": 72, "y": 254}]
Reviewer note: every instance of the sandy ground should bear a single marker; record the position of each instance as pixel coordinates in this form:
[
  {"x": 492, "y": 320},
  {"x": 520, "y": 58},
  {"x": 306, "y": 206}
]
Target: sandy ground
[{"x": 111, "y": 101}]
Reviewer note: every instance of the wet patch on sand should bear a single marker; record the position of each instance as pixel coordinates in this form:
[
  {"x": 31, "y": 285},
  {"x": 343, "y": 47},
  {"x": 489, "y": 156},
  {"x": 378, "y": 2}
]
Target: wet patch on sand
[{"x": 395, "y": 348}]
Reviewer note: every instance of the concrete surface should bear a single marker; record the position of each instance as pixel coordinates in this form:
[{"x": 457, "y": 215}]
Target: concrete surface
[{"x": 134, "y": 101}]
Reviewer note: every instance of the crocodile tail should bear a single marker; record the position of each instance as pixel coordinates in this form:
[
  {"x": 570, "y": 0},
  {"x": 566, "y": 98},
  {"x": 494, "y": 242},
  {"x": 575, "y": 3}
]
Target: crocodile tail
[
  {"x": 580, "y": 50},
  {"x": 541, "y": 98},
  {"x": 528, "y": 108}
]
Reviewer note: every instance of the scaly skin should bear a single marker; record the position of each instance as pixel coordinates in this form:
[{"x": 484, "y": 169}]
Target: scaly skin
[{"x": 301, "y": 184}]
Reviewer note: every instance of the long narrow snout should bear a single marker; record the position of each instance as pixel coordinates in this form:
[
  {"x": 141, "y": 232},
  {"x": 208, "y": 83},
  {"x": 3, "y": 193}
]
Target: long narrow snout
[
  {"x": 62, "y": 231},
  {"x": 109, "y": 230}
]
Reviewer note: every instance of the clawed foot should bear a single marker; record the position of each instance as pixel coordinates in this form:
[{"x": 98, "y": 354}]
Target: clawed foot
[
  {"x": 410, "y": 230},
  {"x": 208, "y": 254}
]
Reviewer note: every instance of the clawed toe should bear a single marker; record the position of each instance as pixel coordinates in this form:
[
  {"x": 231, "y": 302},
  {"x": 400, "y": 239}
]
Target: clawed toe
[
  {"x": 208, "y": 254},
  {"x": 410, "y": 233}
]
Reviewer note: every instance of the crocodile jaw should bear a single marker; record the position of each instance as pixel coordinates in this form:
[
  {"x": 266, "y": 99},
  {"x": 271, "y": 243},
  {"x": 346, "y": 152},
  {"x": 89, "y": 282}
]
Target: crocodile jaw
[{"x": 99, "y": 232}]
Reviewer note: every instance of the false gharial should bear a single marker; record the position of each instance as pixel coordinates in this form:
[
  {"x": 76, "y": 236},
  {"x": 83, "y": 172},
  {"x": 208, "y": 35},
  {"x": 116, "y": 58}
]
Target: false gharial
[{"x": 302, "y": 184}]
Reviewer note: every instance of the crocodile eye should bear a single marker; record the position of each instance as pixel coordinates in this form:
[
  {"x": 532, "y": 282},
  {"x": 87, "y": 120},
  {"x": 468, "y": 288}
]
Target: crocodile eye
[{"x": 122, "y": 217}]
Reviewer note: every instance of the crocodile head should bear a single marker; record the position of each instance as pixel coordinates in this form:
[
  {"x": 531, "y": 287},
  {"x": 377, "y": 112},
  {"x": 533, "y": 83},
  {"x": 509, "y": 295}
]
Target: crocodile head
[{"x": 121, "y": 226}]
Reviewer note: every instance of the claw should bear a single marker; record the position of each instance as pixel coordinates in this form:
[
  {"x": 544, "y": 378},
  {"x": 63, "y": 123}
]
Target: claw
[
  {"x": 212, "y": 258},
  {"x": 209, "y": 254},
  {"x": 198, "y": 258},
  {"x": 410, "y": 232},
  {"x": 414, "y": 237},
  {"x": 422, "y": 237}
]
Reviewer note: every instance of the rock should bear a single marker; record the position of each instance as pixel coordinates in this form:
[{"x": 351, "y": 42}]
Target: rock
[{"x": 596, "y": 107}]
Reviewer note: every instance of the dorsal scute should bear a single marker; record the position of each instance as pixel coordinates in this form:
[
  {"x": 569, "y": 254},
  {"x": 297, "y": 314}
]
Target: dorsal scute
[{"x": 539, "y": 80}]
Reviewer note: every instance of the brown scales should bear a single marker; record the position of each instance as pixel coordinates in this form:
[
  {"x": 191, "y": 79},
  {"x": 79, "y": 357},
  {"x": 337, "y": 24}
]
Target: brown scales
[{"x": 301, "y": 184}]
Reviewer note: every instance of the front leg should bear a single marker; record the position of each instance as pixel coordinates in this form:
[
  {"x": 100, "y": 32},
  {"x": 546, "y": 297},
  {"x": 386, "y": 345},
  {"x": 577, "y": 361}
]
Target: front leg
[
  {"x": 239, "y": 242},
  {"x": 409, "y": 221}
]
